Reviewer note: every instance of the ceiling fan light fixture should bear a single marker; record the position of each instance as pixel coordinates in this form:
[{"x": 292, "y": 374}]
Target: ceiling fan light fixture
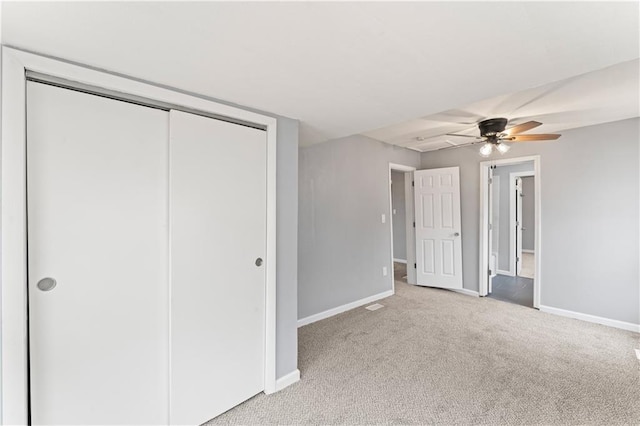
[
  {"x": 503, "y": 147},
  {"x": 493, "y": 135},
  {"x": 486, "y": 149}
]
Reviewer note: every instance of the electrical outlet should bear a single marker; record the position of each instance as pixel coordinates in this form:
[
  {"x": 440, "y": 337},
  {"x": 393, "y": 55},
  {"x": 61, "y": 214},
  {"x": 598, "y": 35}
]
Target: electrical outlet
[
  {"x": 394, "y": 211},
  {"x": 384, "y": 271},
  {"x": 638, "y": 354},
  {"x": 384, "y": 218}
]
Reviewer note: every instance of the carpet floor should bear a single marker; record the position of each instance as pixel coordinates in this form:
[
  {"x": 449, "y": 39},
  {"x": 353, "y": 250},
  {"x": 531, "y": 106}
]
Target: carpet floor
[{"x": 437, "y": 357}]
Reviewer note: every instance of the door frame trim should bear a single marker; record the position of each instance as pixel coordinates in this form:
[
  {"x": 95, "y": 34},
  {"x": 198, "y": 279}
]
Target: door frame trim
[
  {"x": 513, "y": 270},
  {"x": 408, "y": 208},
  {"x": 14, "y": 398},
  {"x": 483, "y": 284}
]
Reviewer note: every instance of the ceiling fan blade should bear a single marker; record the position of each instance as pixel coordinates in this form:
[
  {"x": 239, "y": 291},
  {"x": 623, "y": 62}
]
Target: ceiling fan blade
[
  {"x": 529, "y": 138},
  {"x": 463, "y": 136},
  {"x": 522, "y": 127}
]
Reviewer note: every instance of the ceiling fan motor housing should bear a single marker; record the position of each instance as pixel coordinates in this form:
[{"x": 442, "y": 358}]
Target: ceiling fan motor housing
[{"x": 492, "y": 126}]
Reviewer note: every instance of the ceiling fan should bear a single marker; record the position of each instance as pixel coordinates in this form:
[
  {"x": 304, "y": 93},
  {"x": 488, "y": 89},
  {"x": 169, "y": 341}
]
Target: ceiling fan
[{"x": 494, "y": 135}]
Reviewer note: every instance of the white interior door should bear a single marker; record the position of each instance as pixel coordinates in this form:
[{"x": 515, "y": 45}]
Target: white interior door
[
  {"x": 518, "y": 226},
  {"x": 97, "y": 224},
  {"x": 438, "y": 230},
  {"x": 218, "y": 231}
]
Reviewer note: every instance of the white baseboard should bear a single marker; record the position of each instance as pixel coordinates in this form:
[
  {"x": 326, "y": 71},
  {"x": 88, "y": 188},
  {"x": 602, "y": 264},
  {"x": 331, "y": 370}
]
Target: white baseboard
[
  {"x": 528, "y": 251},
  {"x": 467, "y": 292},
  {"x": 287, "y": 380},
  {"x": 508, "y": 273},
  {"x": 400, "y": 261},
  {"x": 340, "y": 309},
  {"x": 592, "y": 318}
]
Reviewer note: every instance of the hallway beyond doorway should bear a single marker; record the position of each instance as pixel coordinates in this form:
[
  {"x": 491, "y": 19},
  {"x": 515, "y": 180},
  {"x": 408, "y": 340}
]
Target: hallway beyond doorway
[
  {"x": 400, "y": 271},
  {"x": 528, "y": 265},
  {"x": 518, "y": 290}
]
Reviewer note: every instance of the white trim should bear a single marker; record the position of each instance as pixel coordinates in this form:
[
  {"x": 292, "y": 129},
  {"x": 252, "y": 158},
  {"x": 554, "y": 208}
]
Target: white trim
[
  {"x": 14, "y": 398},
  {"x": 398, "y": 168},
  {"x": 401, "y": 167},
  {"x": 287, "y": 380},
  {"x": 503, "y": 272},
  {"x": 528, "y": 251},
  {"x": 14, "y": 252},
  {"x": 484, "y": 223},
  {"x": 400, "y": 260},
  {"x": 340, "y": 309},
  {"x": 512, "y": 218},
  {"x": 466, "y": 292},
  {"x": 484, "y": 250},
  {"x": 409, "y": 227},
  {"x": 592, "y": 318}
]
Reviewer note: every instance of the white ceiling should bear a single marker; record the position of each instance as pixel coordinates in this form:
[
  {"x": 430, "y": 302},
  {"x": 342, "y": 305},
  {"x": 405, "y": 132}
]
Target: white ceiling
[
  {"x": 597, "y": 97},
  {"x": 340, "y": 68}
]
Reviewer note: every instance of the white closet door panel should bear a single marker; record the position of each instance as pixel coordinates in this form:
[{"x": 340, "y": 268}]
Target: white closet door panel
[
  {"x": 98, "y": 224},
  {"x": 218, "y": 230}
]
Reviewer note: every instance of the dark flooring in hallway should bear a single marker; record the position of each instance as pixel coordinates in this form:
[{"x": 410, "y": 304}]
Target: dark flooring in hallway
[{"x": 518, "y": 290}]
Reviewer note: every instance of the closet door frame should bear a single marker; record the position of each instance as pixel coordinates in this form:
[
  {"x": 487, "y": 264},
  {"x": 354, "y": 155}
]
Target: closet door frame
[{"x": 14, "y": 350}]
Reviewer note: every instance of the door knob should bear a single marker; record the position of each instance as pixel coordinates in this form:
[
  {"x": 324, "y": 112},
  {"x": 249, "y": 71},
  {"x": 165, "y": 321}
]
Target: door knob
[
  {"x": 46, "y": 284},
  {"x": 457, "y": 234},
  {"x": 259, "y": 261}
]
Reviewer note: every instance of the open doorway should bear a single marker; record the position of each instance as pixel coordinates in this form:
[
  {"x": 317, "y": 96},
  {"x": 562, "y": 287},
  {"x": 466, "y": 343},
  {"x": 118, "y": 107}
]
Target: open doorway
[
  {"x": 524, "y": 254},
  {"x": 401, "y": 223},
  {"x": 398, "y": 225},
  {"x": 510, "y": 231}
]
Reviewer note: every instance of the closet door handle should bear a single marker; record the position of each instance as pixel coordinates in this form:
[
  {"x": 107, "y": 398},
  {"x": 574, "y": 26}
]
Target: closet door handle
[
  {"x": 46, "y": 284},
  {"x": 259, "y": 261}
]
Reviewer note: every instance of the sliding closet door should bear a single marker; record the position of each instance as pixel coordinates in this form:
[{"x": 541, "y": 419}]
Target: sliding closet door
[
  {"x": 218, "y": 241},
  {"x": 97, "y": 187}
]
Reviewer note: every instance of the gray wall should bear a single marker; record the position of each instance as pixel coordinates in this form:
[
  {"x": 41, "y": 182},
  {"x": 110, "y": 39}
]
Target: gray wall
[
  {"x": 504, "y": 211},
  {"x": 342, "y": 244},
  {"x": 287, "y": 247},
  {"x": 399, "y": 219},
  {"x": 528, "y": 214},
  {"x": 590, "y": 228}
]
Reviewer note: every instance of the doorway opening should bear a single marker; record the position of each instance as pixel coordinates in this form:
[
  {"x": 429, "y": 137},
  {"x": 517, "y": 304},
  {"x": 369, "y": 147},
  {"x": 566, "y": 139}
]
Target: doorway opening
[
  {"x": 401, "y": 223},
  {"x": 510, "y": 231}
]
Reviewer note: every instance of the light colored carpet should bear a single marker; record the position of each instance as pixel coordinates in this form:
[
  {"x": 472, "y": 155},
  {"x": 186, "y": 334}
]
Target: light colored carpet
[
  {"x": 528, "y": 265},
  {"x": 437, "y": 357}
]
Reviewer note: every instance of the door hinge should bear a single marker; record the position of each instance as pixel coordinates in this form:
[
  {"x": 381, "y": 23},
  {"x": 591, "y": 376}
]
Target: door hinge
[
  {"x": 489, "y": 272},
  {"x": 414, "y": 224},
  {"x": 413, "y": 183},
  {"x": 490, "y": 227},
  {"x": 415, "y": 266}
]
